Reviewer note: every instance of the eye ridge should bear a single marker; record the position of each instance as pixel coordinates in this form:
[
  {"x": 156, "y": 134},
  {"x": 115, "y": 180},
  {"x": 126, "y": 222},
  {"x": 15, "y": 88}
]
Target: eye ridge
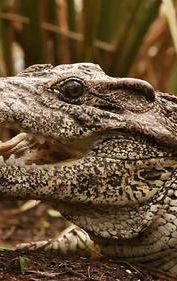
[{"x": 71, "y": 88}]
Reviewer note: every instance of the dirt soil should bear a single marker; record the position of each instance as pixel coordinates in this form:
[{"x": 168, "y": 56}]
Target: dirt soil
[{"x": 40, "y": 223}]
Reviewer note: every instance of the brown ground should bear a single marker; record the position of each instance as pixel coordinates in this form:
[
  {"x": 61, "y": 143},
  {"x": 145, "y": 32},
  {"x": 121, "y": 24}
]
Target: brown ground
[{"x": 35, "y": 224}]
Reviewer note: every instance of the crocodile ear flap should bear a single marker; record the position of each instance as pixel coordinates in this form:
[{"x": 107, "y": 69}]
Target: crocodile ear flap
[{"x": 36, "y": 70}]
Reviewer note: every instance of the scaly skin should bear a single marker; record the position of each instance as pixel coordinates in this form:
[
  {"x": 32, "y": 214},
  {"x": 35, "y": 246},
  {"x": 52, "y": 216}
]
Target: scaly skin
[{"x": 106, "y": 154}]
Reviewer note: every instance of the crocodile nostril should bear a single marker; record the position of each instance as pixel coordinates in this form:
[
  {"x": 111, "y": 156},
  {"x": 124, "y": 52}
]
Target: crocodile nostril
[{"x": 137, "y": 85}]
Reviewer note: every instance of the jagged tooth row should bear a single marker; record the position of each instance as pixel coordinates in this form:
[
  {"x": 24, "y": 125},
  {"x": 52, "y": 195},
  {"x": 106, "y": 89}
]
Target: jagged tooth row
[
  {"x": 12, "y": 161},
  {"x": 7, "y": 146},
  {"x": 11, "y": 145}
]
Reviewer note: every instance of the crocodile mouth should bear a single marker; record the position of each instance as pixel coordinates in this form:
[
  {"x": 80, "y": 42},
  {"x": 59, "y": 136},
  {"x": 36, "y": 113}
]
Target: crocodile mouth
[{"x": 25, "y": 149}]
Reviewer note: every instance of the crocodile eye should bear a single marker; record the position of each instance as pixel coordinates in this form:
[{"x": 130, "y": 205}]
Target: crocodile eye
[{"x": 71, "y": 89}]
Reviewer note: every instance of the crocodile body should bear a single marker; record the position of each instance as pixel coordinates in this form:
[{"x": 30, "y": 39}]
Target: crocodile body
[{"x": 102, "y": 149}]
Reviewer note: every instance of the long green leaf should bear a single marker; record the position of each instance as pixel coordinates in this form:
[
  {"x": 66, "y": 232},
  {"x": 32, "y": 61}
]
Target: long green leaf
[
  {"x": 109, "y": 18},
  {"x": 142, "y": 15},
  {"x": 71, "y": 18},
  {"x": 6, "y": 35},
  {"x": 32, "y": 36},
  {"x": 91, "y": 11}
]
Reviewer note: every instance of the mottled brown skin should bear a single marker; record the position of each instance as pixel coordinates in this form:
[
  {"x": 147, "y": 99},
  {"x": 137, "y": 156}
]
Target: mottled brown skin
[{"x": 106, "y": 155}]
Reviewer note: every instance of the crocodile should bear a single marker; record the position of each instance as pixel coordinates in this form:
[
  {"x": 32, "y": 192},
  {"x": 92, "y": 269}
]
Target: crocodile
[{"x": 102, "y": 150}]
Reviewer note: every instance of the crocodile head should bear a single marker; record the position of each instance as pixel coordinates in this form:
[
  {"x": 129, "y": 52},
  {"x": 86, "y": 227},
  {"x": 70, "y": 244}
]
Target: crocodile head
[
  {"x": 48, "y": 114},
  {"x": 72, "y": 134}
]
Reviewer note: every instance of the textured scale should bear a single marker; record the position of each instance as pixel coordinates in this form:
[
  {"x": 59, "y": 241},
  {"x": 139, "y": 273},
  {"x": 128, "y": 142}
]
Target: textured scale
[{"x": 120, "y": 185}]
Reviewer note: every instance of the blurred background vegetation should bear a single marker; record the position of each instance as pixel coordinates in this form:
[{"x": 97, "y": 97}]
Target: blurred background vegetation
[{"x": 126, "y": 37}]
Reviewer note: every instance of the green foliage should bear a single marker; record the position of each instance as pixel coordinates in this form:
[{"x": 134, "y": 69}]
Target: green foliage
[
  {"x": 136, "y": 24},
  {"x": 6, "y": 35},
  {"x": 32, "y": 37},
  {"x": 108, "y": 32}
]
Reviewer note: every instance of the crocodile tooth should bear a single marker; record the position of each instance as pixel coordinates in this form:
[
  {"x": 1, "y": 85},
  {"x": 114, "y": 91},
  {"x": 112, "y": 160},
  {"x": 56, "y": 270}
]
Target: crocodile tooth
[
  {"x": 11, "y": 160},
  {"x": 1, "y": 160}
]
